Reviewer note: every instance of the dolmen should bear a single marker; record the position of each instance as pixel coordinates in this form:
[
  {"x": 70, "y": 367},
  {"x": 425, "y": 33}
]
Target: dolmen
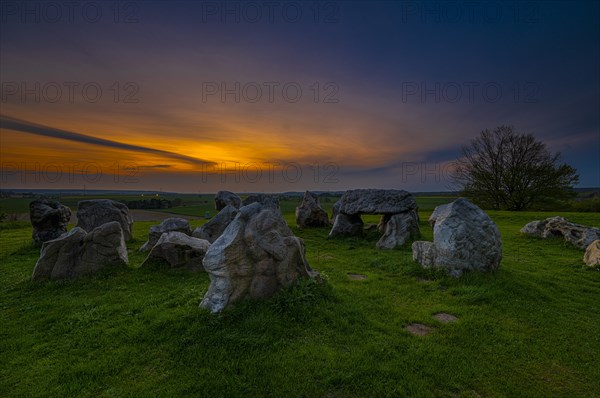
[
  {"x": 168, "y": 225},
  {"x": 256, "y": 256},
  {"x": 464, "y": 239},
  {"x": 578, "y": 235},
  {"x": 49, "y": 219},
  {"x": 226, "y": 198},
  {"x": 79, "y": 253},
  {"x": 310, "y": 213},
  {"x": 179, "y": 250},
  {"x": 93, "y": 213},
  {"x": 398, "y": 208}
]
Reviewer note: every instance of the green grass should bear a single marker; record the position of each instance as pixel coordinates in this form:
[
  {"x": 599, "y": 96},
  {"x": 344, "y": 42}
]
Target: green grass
[{"x": 529, "y": 330}]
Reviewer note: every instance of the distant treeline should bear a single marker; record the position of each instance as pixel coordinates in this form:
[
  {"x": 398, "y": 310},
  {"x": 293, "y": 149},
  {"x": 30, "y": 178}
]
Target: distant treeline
[{"x": 153, "y": 203}]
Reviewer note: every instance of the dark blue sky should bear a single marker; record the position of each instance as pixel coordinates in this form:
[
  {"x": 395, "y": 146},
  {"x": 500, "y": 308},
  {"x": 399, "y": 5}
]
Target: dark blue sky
[{"x": 411, "y": 82}]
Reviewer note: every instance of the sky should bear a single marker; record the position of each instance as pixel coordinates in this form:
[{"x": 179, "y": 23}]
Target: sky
[{"x": 275, "y": 96}]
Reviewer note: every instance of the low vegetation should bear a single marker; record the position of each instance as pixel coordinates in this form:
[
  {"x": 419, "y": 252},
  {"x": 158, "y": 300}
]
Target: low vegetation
[{"x": 530, "y": 329}]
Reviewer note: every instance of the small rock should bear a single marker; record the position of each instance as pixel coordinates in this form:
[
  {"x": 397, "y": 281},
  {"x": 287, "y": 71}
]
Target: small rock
[
  {"x": 445, "y": 318},
  {"x": 357, "y": 277},
  {"x": 418, "y": 329}
]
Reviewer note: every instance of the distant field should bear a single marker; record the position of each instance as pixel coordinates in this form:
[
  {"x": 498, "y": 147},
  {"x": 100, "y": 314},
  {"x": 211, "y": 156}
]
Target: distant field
[
  {"x": 529, "y": 330},
  {"x": 194, "y": 205}
]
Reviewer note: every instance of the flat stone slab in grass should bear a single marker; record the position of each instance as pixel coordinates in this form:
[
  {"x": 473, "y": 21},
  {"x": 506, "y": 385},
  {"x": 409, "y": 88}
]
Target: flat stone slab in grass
[
  {"x": 357, "y": 277},
  {"x": 424, "y": 280},
  {"x": 445, "y": 318},
  {"x": 418, "y": 329}
]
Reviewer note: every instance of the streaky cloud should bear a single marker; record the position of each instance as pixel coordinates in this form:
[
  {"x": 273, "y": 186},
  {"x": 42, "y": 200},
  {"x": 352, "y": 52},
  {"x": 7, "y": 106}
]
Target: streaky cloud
[{"x": 24, "y": 126}]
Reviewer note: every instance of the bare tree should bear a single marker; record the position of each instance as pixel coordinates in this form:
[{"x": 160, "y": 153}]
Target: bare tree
[{"x": 502, "y": 169}]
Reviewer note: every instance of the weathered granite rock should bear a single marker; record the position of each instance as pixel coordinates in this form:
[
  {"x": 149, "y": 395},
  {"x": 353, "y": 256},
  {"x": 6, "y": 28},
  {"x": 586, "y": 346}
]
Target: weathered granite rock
[
  {"x": 578, "y": 235},
  {"x": 346, "y": 225},
  {"x": 464, "y": 238},
  {"x": 214, "y": 227},
  {"x": 168, "y": 225},
  {"x": 226, "y": 198},
  {"x": 264, "y": 199},
  {"x": 310, "y": 213},
  {"x": 376, "y": 201},
  {"x": 256, "y": 256},
  {"x": 179, "y": 250},
  {"x": 78, "y": 253},
  {"x": 592, "y": 254},
  {"x": 94, "y": 213},
  {"x": 398, "y": 229},
  {"x": 49, "y": 219}
]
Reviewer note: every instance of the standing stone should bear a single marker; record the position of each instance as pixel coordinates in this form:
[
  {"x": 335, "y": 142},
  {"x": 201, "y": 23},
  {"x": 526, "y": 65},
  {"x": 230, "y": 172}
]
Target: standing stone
[
  {"x": 398, "y": 229},
  {"x": 310, "y": 213},
  {"x": 94, "y": 213},
  {"x": 578, "y": 235},
  {"x": 256, "y": 256},
  {"x": 170, "y": 224},
  {"x": 179, "y": 250},
  {"x": 592, "y": 254},
  {"x": 49, "y": 219},
  {"x": 214, "y": 228},
  {"x": 346, "y": 225},
  {"x": 226, "y": 198},
  {"x": 464, "y": 238},
  {"x": 78, "y": 253}
]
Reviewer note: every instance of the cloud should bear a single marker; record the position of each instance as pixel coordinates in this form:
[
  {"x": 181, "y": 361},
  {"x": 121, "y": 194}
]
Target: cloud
[{"x": 10, "y": 123}]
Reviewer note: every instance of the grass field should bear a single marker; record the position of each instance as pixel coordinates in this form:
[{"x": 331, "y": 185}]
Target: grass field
[{"x": 530, "y": 330}]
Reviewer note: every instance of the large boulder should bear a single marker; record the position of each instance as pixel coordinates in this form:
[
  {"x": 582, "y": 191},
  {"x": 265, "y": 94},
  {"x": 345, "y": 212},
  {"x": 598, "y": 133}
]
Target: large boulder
[
  {"x": 264, "y": 199},
  {"x": 94, "y": 213},
  {"x": 179, "y": 250},
  {"x": 214, "y": 227},
  {"x": 78, "y": 253},
  {"x": 397, "y": 229},
  {"x": 256, "y": 256},
  {"x": 376, "y": 201},
  {"x": 592, "y": 254},
  {"x": 310, "y": 213},
  {"x": 49, "y": 219},
  {"x": 464, "y": 238},
  {"x": 226, "y": 198},
  {"x": 576, "y": 234},
  {"x": 168, "y": 225}
]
